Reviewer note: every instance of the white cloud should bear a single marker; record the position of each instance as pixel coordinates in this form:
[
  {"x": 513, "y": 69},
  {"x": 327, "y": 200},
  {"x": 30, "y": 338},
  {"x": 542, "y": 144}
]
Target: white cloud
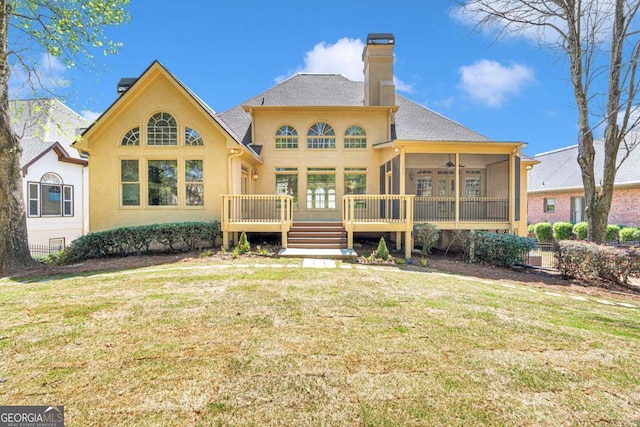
[
  {"x": 89, "y": 115},
  {"x": 343, "y": 57},
  {"x": 46, "y": 74},
  {"x": 490, "y": 82}
]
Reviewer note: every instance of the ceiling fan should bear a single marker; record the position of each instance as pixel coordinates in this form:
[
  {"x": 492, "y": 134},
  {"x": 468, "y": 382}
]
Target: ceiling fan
[{"x": 451, "y": 164}]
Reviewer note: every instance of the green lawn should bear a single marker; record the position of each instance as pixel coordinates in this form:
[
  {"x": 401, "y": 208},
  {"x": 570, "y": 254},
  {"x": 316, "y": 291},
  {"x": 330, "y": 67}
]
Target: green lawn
[{"x": 239, "y": 343}]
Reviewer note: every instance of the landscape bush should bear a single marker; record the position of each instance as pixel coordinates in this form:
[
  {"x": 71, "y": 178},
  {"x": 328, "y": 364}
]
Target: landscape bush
[
  {"x": 581, "y": 230},
  {"x": 592, "y": 263},
  {"x": 502, "y": 249},
  {"x": 629, "y": 234},
  {"x": 544, "y": 232},
  {"x": 562, "y": 230},
  {"x": 381, "y": 254},
  {"x": 138, "y": 239},
  {"x": 613, "y": 232},
  {"x": 531, "y": 230},
  {"x": 426, "y": 235}
]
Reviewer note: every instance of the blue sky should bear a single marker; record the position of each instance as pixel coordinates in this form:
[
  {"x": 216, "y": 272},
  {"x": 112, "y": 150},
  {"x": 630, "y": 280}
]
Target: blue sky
[{"x": 227, "y": 52}]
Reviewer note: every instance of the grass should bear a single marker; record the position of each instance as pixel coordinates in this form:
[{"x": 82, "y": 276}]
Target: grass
[{"x": 243, "y": 345}]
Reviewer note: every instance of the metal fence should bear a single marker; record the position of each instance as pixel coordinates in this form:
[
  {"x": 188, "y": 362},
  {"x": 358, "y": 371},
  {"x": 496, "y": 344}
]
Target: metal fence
[
  {"x": 43, "y": 250},
  {"x": 542, "y": 256}
]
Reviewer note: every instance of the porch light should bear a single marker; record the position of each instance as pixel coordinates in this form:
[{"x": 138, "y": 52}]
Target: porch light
[{"x": 254, "y": 175}]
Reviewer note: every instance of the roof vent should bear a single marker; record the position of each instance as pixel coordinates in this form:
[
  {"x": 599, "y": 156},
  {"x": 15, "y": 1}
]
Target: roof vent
[
  {"x": 125, "y": 83},
  {"x": 381, "y": 38}
]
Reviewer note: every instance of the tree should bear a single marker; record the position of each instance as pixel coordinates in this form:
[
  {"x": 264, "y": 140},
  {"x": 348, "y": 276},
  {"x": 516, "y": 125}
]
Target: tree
[
  {"x": 70, "y": 30},
  {"x": 602, "y": 45}
]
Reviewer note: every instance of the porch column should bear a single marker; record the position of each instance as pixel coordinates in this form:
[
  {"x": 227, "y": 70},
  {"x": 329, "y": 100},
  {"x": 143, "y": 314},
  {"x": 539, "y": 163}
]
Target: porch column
[
  {"x": 457, "y": 189},
  {"x": 402, "y": 172},
  {"x": 512, "y": 189}
]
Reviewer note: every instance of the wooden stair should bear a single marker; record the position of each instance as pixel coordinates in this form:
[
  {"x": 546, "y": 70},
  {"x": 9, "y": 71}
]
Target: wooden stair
[{"x": 317, "y": 235}]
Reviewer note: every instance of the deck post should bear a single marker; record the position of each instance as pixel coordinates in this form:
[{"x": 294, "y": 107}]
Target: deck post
[
  {"x": 408, "y": 244},
  {"x": 225, "y": 239}
]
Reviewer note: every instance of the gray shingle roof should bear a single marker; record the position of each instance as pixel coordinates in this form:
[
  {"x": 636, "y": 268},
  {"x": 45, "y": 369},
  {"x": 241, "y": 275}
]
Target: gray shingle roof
[
  {"x": 41, "y": 123},
  {"x": 413, "y": 121},
  {"x": 559, "y": 169}
]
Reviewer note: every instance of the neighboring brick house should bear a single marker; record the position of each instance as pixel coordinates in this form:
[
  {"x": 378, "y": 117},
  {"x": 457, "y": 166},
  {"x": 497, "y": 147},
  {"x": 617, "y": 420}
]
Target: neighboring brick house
[{"x": 555, "y": 192}]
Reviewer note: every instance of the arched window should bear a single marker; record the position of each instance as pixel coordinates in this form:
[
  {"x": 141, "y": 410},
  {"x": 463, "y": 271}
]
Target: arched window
[
  {"x": 162, "y": 130},
  {"x": 50, "y": 197},
  {"x": 193, "y": 138},
  {"x": 321, "y": 135},
  {"x": 355, "y": 137},
  {"x": 132, "y": 137},
  {"x": 286, "y": 137}
]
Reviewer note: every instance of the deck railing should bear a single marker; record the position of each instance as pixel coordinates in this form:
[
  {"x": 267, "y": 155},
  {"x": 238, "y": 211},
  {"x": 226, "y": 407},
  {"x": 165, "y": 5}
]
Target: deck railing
[
  {"x": 263, "y": 208},
  {"x": 477, "y": 209},
  {"x": 377, "y": 209}
]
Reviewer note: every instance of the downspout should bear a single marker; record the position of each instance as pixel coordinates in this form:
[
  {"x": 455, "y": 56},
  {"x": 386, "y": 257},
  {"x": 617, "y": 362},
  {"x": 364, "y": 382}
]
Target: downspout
[{"x": 235, "y": 152}]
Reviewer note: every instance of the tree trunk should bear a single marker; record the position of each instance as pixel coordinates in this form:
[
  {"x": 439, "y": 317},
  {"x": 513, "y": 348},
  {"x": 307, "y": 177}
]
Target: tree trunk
[{"x": 14, "y": 246}]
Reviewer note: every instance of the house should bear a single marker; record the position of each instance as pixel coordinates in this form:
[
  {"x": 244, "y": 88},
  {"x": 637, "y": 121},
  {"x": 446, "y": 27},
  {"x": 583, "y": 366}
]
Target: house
[
  {"x": 555, "y": 191},
  {"x": 54, "y": 175},
  {"x": 315, "y": 149}
]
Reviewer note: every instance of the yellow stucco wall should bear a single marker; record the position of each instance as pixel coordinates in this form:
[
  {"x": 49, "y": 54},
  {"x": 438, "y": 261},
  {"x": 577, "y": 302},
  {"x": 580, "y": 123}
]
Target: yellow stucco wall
[
  {"x": 155, "y": 93},
  {"x": 266, "y": 123}
]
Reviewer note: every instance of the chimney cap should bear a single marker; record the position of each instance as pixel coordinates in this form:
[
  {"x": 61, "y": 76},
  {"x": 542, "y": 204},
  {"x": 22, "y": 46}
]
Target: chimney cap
[
  {"x": 381, "y": 38},
  {"x": 125, "y": 83}
]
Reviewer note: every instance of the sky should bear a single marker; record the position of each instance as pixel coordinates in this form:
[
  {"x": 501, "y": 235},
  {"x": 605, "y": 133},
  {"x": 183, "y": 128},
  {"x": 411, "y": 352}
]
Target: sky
[{"x": 228, "y": 52}]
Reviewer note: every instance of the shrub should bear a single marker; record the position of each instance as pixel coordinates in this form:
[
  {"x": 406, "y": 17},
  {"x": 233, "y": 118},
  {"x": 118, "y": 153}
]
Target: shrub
[
  {"x": 243, "y": 244},
  {"x": 562, "y": 230},
  {"x": 531, "y": 230},
  {"x": 128, "y": 240},
  {"x": 581, "y": 230},
  {"x": 502, "y": 249},
  {"x": 629, "y": 234},
  {"x": 613, "y": 231},
  {"x": 426, "y": 234},
  {"x": 381, "y": 254},
  {"x": 591, "y": 262},
  {"x": 544, "y": 232}
]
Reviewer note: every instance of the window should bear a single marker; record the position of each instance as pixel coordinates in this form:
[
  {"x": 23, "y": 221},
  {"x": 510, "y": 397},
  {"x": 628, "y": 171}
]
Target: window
[
  {"x": 132, "y": 137},
  {"x": 194, "y": 183},
  {"x": 287, "y": 183},
  {"x": 163, "y": 182},
  {"x": 321, "y": 136},
  {"x": 424, "y": 186},
  {"x": 472, "y": 183},
  {"x": 549, "y": 205},
  {"x": 50, "y": 197},
  {"x": 130, "y": 182},
  {"x": 355, "y": 137},
  {"x": 577, "y": 209},
  {"x": 192, "y": 138},
  {"x": 162, "y": 130},
  {"x": 355, "y": 182},
  {"x": 287, "y": 137},
  {"x": 321, "y": 188},
  {"x": 56, "y": 244}
]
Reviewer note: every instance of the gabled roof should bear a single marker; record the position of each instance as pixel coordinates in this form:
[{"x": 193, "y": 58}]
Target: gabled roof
[
  {"x": 42, "y": 124},
  {"x": 132, "y": 84},
  {"x": 559, "y": 169},
  {"x": 413, "y": 121}
]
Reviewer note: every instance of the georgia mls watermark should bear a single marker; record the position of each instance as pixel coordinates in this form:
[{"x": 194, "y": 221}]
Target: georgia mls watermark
[{"x": 31, "y": 416}]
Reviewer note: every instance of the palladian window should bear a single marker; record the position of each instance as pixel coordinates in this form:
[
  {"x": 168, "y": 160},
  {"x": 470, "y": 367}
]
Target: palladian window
[
  {"x": 287, "y": 138},
  {"x": 162, "y": 129},
  {"x": 50, "y": 197},
  {"x": 321, "y": 136}
]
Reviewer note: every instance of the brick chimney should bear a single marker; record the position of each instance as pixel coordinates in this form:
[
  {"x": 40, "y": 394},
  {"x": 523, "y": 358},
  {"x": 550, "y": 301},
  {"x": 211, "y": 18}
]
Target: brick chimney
[{"x": 378, "y": 70}]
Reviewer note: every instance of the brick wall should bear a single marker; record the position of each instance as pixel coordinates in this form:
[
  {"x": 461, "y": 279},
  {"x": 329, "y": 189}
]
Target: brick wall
[{"x": 625, "y": 207}]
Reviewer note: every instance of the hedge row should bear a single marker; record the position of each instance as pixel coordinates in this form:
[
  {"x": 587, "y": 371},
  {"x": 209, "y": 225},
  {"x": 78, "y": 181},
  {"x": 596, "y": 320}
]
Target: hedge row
[
  {"x": 591, "y": 262},
  {"x": 502, "y": 249},
  {"x": 545, "y": 232},
  {"x": 136, "y": 240}
]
